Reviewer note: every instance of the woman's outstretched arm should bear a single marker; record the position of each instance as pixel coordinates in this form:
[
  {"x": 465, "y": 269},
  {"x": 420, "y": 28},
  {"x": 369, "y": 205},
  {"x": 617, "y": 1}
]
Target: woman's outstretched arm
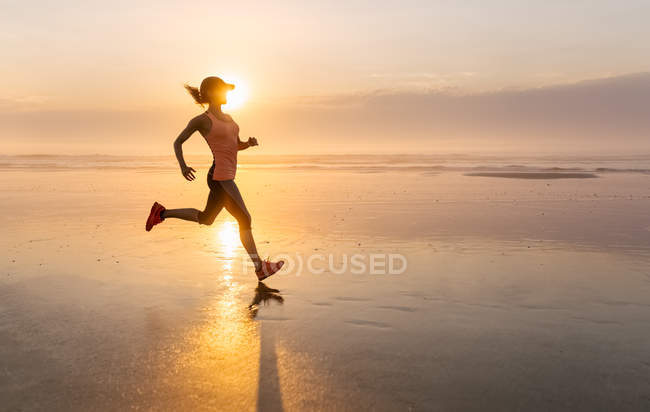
[
  {"x": 245, "y": 145},
  {"x": 192, "y": 126}
]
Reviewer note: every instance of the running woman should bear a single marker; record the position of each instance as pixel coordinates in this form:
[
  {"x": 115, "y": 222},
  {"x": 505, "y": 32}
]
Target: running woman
[{"x": 222, "y": 135}]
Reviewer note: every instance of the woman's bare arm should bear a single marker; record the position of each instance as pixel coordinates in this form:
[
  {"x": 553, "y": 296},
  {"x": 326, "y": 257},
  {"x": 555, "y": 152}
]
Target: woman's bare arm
[
  {"x": 192, "y": 126},
  {"x": 245, "y": 145}
]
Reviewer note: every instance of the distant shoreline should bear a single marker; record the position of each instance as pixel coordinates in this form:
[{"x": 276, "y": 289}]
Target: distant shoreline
[
  {"x": 522, "y": 167},
  {"x": 535, "y": 175}
]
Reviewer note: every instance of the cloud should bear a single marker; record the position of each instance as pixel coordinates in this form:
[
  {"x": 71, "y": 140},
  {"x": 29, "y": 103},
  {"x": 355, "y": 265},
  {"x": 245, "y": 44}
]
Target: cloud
[
  {"x": 22, "y": 103},
  {"x": 414, "y": 81},
  {"x": 609, "y": 112},
  {"x": 605, "y": 115}
]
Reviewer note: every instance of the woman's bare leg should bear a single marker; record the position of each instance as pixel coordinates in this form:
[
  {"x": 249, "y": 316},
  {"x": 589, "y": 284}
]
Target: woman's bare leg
[
  {"x": 186, "y": 214},
  {"x": 246, "y": 237},
  {"x": 234, "y": 204}
]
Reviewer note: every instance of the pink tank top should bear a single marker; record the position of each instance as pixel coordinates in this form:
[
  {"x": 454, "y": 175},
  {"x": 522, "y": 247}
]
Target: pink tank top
[{"x": 223, "y": 140}]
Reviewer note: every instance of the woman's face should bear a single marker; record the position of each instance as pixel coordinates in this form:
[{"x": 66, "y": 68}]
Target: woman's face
[{"x": 218, "y": 96}]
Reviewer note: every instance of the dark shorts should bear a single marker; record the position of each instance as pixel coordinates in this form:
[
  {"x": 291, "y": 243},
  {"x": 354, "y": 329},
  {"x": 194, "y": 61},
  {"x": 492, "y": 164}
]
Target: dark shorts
[{"x": 224, "y": 193}]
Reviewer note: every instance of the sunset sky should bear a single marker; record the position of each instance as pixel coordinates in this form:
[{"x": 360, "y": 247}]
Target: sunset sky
[{"x": 353, "y": 76}]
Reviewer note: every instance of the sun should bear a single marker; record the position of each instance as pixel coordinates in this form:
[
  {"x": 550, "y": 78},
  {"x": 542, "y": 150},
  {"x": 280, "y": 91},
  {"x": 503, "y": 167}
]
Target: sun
[{"x": 237, "y": 97}]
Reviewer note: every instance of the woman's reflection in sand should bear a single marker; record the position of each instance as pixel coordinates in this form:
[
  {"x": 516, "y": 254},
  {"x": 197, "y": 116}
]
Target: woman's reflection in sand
[{"x": 264, "y": 294}]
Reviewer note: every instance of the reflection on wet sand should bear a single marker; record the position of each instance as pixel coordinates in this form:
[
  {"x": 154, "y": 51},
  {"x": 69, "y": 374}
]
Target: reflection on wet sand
[
  {"x": 219, "y": 366},
  {"x": 227, "y": 242},
  {"x": 264, "y": 294},
  {"x": 518, "y": 295},
  {"x": 269, "y": 390}
]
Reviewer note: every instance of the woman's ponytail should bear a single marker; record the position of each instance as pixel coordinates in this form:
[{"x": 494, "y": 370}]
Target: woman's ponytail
[
  {"x": 202, "y": 94},
  {"x": 196, "y": 95}
]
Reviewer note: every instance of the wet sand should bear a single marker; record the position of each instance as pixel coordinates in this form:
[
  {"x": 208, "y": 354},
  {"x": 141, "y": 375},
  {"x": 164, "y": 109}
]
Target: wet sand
[{"x": 518, "y": 295}]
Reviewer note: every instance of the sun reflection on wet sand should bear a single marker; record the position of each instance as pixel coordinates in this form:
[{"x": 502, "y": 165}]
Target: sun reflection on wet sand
[
  {"x": 219, "y": 368},
  {"x": 227, "y": 239},
  {"x": 103, "y": 315},
  {"x": 230, "y": 361}
]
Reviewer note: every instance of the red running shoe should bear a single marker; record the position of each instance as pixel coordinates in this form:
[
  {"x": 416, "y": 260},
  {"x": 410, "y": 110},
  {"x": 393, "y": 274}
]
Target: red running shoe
[
  {"x": 268, "y": 269},
  {"x": 155, "y": 216}
]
